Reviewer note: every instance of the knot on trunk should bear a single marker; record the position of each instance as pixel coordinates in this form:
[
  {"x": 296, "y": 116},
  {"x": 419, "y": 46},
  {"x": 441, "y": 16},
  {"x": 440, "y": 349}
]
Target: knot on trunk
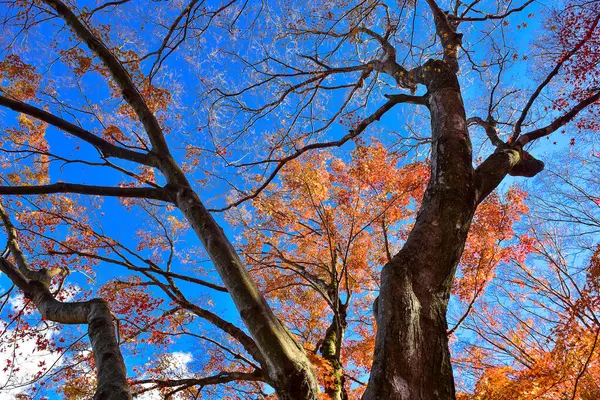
[
  {"x": 528, "y": 166},
  {"x": 177, "y": 191}
]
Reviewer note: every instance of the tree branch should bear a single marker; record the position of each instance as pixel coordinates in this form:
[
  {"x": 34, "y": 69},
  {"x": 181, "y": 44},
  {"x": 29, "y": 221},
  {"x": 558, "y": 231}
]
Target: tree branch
[
  {"x": 106, "y": 148},
  {"x": 376, "y": 116},
  {"x": 129, "y": 265},
  {"x": 490, "y": 130},
  {"x": 558, "y": 122},
  {"x": 506, "y": 158},
  {"x": 61, "y": 187},
  {"x": 221, "y": 377},
  {"x": 130, "y": 92},
  {"x": 109, "y": 4},
  {"x": 494, "y": 169},
  {"x": 490, "y": 16}
]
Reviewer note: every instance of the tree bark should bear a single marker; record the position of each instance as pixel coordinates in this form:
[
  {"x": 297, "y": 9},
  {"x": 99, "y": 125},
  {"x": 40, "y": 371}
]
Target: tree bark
[
  {"x": 110, "y": 366},
  {"x": 412, "y": 359}
]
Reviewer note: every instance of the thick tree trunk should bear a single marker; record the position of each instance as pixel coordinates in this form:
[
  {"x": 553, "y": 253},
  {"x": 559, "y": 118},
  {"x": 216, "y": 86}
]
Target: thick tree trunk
[{"x": 412, "y": 359}]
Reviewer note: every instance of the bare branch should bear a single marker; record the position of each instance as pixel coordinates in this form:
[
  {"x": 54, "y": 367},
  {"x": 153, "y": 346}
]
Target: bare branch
[
  {"x": 490, "y": 130},
  {"x": 187, "y": 12},
  {"x": 558, "y": 122},
  {"x": 155, "y": 270},
  {"x": 62, "y": 187},
  {"x": 393, "y": 100},
  {"x": 551, "y": 75},
  {"x": 109, "y": 4},
  {"x": 246, "y": 341},
  {"x": 221, "y": 377},
  {"x": 490, "y": 16},
  {"x": 106, "y": 148}
]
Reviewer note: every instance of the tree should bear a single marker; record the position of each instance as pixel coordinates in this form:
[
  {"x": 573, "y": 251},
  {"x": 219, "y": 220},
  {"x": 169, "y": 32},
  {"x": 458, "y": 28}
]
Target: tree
[
  {"x": 313, "y": 241},
  {"x": 273, "y": 347},
  {"x": 290, "y": 76}
]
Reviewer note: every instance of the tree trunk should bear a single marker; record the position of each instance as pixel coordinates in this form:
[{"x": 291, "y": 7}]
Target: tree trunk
[
  {"x": 112, "y": 381},
  {"x": 284, "y": 360},
  {"x": 331, "y": 350},
  {"x": 412, "y": 359}
]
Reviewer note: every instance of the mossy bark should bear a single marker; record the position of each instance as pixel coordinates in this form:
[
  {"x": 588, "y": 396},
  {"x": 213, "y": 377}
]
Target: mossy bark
[{"x": 331, "y": 351}]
